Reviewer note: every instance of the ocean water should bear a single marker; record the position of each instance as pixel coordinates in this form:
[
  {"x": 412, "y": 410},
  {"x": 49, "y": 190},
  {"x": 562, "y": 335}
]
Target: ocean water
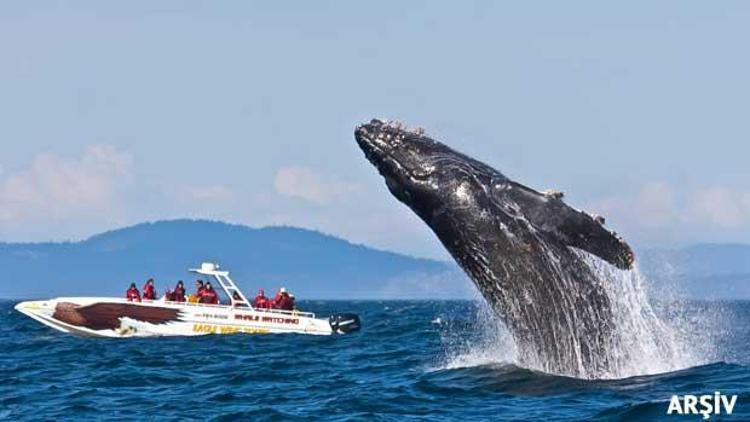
[{"x": 426, "y": 360}]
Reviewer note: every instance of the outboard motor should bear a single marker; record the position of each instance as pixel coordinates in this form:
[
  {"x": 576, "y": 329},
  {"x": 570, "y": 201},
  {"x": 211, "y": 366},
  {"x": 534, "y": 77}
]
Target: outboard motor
[{"x": 344, "y": 323}]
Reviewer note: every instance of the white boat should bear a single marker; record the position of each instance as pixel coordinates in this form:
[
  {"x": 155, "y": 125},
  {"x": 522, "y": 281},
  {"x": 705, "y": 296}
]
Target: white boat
[{"x": 118, "y": 317}]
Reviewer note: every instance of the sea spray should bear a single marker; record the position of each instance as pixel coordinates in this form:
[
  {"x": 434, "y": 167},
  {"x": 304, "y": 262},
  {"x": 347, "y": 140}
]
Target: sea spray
[
  {"x": 642, "y": 343},
  {"x": 649, "y": 338},
  {"x": 479, "y": 339},
  {"x": 655, "y": 335}
]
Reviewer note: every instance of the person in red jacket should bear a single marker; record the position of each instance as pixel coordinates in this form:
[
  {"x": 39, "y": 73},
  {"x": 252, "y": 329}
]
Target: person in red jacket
[
  {"x": 133, "y": 295},
  {"x": 178, "y": 294},
  {"x": 285, "y": 302},
  {"x": 199, "y": 288},
  {"x": 261, "y": 301},
  {"x": 149, "y": 292},
  {"x": 281, "y": 292},
  {"x": 209, "y": 295}
]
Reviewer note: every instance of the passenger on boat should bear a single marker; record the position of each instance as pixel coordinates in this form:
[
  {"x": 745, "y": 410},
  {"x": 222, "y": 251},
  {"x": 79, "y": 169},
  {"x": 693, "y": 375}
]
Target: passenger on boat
[
  {"x": 199, "y": 287},
  {"x": 133, "y": 295},
  {"x": 149, "y": 292},
  {"x": 278, "y": 296},
  {"x": 285, "y": 302},
  {"x": 261, "y": 301},
  {"x": 196, "y": 298},
  {"x": 178, "y": 295},
  {"x": 209, "y": 295},
  {"x": 237, "y": 298}
]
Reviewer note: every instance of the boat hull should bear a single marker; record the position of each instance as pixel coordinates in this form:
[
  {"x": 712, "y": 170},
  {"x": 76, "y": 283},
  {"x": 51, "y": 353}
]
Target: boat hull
[{"x": 114, "y": 317}]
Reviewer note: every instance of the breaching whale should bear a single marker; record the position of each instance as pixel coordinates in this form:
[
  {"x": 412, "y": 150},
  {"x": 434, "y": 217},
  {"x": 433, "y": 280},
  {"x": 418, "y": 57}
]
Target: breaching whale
[{"x": 525, "y": 250}]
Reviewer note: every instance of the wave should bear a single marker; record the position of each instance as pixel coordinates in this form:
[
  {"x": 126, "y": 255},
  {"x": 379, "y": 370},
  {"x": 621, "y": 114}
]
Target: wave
[{"x": 513, "y": 379}]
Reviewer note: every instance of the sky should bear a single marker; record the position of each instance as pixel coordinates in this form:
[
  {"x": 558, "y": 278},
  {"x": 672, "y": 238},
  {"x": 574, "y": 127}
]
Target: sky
[{"x": 114, "y": 113}]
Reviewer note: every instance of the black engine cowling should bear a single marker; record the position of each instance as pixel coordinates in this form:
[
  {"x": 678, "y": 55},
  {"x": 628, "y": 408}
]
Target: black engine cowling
[{"x": 344, "y": 323}]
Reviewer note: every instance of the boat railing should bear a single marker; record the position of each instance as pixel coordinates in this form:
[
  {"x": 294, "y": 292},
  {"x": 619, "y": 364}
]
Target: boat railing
[
  {"x": 250, "y": 308},
  {"x": 285, "y": 312}
]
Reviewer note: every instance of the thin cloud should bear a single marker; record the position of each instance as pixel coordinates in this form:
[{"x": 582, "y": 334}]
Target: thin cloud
[
  {"x": 721, "y": 207},
  {"x": 57, "y": 189},
  {"x": 303, "y": 183},
  {"x": 655, "y": 204},
  {"x": 664, "y": 208}
]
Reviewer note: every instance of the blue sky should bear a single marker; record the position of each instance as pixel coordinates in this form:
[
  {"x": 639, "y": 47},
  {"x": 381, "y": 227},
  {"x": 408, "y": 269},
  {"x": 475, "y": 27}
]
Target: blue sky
[{"x": 116, "y": 113}]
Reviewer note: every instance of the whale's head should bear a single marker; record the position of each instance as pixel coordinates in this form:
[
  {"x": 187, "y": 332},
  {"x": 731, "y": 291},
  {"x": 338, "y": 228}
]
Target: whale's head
[
  {"x": 459, "y": 197},
  {"x": 417, "y": 170}
]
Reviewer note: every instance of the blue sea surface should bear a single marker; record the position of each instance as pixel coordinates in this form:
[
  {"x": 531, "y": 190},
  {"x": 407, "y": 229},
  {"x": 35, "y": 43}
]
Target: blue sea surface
[{"x": 394, "y": 369}]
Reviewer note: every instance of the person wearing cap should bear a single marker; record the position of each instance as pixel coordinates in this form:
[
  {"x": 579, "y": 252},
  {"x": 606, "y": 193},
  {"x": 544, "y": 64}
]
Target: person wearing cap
[
  {"x": 261, "y": 301},
  {"x": 149, "y": 292},
  {"x": 133, "y": 295}
]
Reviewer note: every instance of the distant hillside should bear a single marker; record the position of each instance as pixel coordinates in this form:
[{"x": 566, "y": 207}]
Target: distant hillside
[
  {"x": 311, "y": 264},
  {"x": 703, "y": 271}
]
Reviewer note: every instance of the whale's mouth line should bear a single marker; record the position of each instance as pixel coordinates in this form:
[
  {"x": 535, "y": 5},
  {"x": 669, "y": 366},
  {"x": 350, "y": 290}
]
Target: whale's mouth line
[{"x": 378, "y": 156}]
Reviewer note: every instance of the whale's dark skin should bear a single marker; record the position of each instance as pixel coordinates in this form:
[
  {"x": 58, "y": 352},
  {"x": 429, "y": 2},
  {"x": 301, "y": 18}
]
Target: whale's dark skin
[{"x": 519, "y": 246}]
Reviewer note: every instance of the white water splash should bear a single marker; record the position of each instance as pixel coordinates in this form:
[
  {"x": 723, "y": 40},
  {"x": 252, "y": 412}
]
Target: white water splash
[
  {"x": 643, "y": 343},
  {"x": 675, "y": 334},
  {"x": 485, "y": 342}
]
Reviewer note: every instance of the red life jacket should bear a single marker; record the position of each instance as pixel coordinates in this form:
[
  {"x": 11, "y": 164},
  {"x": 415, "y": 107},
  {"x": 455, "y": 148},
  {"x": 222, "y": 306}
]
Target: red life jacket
[
  {"x": 149, "y": 292},
  {"x": 285, "y": 303},
  {"x": 133, "y": 295},
  {"x": 209, "y": 296},
  {"x": 261, "y": 302},
  {"x": 179, "y": 294}
]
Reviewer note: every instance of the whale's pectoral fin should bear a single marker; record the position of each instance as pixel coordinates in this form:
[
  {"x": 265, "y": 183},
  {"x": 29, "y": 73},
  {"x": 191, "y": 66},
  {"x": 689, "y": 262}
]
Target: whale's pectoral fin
[
  {"x": 572, "y": 227},
  {"x": 583, "y": 231}
]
